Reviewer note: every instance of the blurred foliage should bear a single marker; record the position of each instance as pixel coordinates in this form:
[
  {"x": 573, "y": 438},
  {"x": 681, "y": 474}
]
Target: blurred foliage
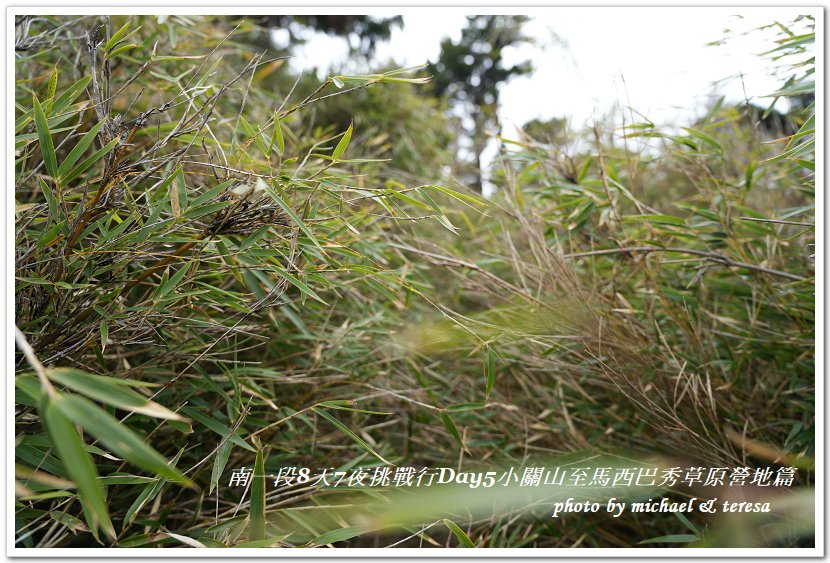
[{"x": 362, "y": 32}]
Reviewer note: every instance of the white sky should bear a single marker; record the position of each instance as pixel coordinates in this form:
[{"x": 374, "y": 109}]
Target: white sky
[
  {"x": 589, "y": 60},
  {"x": 659, "y": 52}
]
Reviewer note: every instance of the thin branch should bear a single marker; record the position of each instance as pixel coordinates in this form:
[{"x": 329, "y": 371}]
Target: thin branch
[
  {"x": 778, "y": 221},
  {"x": 711, "y": 256},
  {"x": 27, "y": 350}
]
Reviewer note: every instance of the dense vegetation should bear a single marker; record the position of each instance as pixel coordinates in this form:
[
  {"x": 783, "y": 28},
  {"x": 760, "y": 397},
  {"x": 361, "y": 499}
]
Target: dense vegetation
[{"x": 222, "y": 265}]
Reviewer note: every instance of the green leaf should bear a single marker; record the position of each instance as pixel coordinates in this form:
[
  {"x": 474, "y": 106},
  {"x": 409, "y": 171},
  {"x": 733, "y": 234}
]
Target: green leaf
[
  {"x": 298, "y": 284},
  {"x": 70, "y": 448},
  {"x": 219, "y": 464},
  {"x": 459, "y": 533},
  {"x": 116, "y": 36},
  {"x": 362, "y": 443},
  {"x": 105, "y": 332},
  {"x": 443, "y": 219},
  {"x": 687, "y": 523},
  {"x": 218, "y": 427},
  {"x": 490, "y": 371},
  {"x": 257, "y": 514},
  {"x": 809, "y": 128},
  {"x": 285, "y": 207},
  {"x": 343, "y": 144},
  {"x": 704, "y": 137},
  {"x": 118, "y": 437},
  {"x": 50, "y": 89},
  {"x": 209, "y": 195},
  {"x": 47, "y": 148},
  {"x": 147, "y": 494},
  {"x": 277, "y": 136},
  {"x": 120, "y": 50},
  {"x": 466, "y": 199},
  {"x": 656, "y": 219},
  {"x": 51, "y": 201},
  {"x": 451, "y": 428},
  {"x": 171, "y": 283},
  {"x": 80, "y": 148},
  {"x": 70, "y": 95},
  {"x": 342, "y": 534},
  {"x": 81, "y": 168},
  {"x": 255, "y": 135},
  {"x": 110, "y": 391},
  {"x": 671, "y": 538}
]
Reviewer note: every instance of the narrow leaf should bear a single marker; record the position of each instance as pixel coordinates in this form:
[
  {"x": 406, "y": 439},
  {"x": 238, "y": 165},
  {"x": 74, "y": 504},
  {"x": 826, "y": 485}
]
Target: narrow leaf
[
  {"x": 47, "y": 148},
  {"x": 285, "y": 207},
  {"x": 298, "y": 284},
  {"x": 70, "y": 448},
  {"x": 118, "y": 437},
  {"x": 217, "y": 427},
  {"x": 277, "y": 137},
  {"x": 343, "y": 428},
  {"x": 81, "y": 168},
  {"x": 490, "y": 371},
  {"x": 257, "y": 514},
  {"x": 105, "y": 332},
  {"x": 459, "y": 533},
  {"x": 115, "y": 37},
  {"x": 671, "y": 538},
  {"x": 80, "y": 148},
  {"x": 343, "y": 144},
  {"x": 451, "y": 428},
  {"x": 109, "y": 391},
  {"x": 342, "y": 534}
]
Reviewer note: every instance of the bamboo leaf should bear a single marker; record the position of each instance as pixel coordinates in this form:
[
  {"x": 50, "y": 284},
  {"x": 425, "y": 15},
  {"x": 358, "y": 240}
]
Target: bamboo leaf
[
  {"x": 50, "y": 90},
  {"x": 148, "y": 494},
  {"x": 459, "y": 533},
  {"x": 80, "y": 148},
  {"x": 81, "y": 168},
  {"x": 122, "y": 49},
  {"x": 116, "y": 36},
  {"x": 451, "y": 428},
  {"x": 490, "y": 371},
  {"x": 47, "y": 147},
  {"x": 105, "y": 332},
  {"x": 217, "y": 427},
  {"x": 70, "y": 448},
  {"x": 186, "y": 540},
  {"x": 70, "y": 95},
  {"x": 290, "y": 212},
  {"x": 342, "y": 534},
  {"x": 219, "y": 464},
  {"x": 256, "y": 136},
  {"x": 343, "y": 144},
  {"x": 171, "y": 283},
  {"x": 671, "y": 538},
  {"x": 277, "y": 136},
  {"x": 257, "y": 514},
  {"x": 343, "y": 428},
  {"x": 118, "y": 437},
  {"x": 109, "y": 391},
  {"x": 293, "y": 280}
]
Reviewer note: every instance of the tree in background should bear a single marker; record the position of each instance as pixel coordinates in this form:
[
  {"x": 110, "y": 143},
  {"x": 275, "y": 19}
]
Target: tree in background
[
  {"x": 361, "y": 31},
  {"x": 469, "y": 72}
]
